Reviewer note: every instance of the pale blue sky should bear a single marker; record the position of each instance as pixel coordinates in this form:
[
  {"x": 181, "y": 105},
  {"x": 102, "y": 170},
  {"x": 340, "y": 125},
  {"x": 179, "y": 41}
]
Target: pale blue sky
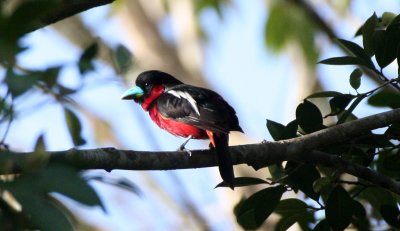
[{"x": 257, "y": 83}]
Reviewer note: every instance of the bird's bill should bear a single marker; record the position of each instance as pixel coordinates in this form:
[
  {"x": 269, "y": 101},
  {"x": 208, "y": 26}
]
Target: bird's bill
[{"x": 133, "y": 93}]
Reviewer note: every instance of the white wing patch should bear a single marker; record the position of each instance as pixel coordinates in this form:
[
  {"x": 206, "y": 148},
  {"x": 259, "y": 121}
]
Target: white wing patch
[{"x": 187, "y": 96}]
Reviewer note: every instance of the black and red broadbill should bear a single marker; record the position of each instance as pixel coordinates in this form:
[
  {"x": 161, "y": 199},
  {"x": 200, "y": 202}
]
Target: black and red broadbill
[{"x": 188, "y": 111}]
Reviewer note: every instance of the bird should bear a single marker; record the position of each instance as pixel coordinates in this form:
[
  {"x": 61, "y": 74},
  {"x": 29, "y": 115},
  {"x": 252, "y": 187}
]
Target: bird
[{"x": 188, "y": 111}]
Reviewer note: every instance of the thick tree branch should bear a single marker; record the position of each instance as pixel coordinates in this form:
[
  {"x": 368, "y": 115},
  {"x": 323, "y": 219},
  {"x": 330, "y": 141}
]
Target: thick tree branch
[
  {"x": 69, "y": 8},
  {"x": 302, "y": 149}
]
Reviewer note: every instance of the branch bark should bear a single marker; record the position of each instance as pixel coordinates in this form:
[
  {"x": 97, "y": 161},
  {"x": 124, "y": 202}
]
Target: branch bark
[
  {"x": 302, "y": 149},
  {"x": 70, "y": 8}
]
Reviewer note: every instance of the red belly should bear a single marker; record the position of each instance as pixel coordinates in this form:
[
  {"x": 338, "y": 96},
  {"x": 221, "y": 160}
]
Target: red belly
[{"x": 176, "y": 128}]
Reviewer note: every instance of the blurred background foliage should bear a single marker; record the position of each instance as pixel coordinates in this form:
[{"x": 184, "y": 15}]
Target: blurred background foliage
[{"x": 171, "y": 36}]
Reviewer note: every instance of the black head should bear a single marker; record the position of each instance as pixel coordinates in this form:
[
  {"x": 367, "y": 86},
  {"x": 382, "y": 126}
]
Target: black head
[
  {"x": 146, "y": 81},
  {"x": 153, "y": 78}
]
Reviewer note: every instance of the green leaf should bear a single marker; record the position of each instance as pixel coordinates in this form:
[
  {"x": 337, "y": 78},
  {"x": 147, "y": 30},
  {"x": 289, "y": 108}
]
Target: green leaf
[
  {"x": 74, "y": 127},
  {"x": 301, "y": 177},
  {"x": 50, "y": 76},
  {"x": 73, "y": 185},
  {"x": 287, "y": 23},
  {"x": 120, "y": 182},
  {"x": 391, "y": 215},
  {"x": 257, "y": 208},
  {"x": 47, "y": 180},
  {"x": 357, "y": 51},
  {"x": 275, "y": 129},
  {"x": 122, "y": 58},
  {"x": 339, "y": 103},
  {"x": 389, "y": 18},
  {"x": 309, "y": 117},
  {"x": 385, "y": 98},
  {"x": 85, "y": 63},
  {"x": 344, "y": 60},
  {"x": 44, "y": 215},
  {"x": 40, "y": 146},
  {"x": 324, "y": 94},
  {"x": 355, "y": 78},
  {"x": 368, "y": 30},
  {"x": 339, "y": 208},
  {"x": 244, "y": 181},
  {"x": 19, "y": 84},
  {"x": 276, "y": 171}
]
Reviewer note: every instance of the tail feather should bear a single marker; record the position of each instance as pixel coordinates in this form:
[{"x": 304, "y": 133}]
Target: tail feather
[{"x": 225, "y": 164}]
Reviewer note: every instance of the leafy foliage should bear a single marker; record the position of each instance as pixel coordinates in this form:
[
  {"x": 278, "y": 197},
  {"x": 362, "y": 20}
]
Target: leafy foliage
[
  {"x": 346, "y": 203},
  {"x": 35, "y": 191}
]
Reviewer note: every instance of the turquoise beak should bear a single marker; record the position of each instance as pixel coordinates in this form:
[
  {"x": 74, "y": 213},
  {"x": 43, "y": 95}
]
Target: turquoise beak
[{"x": 133, "y": 93}]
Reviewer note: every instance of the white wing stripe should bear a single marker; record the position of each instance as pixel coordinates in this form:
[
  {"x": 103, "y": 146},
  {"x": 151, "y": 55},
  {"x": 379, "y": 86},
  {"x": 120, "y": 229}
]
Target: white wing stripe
[{"x": 188, "y": 97}]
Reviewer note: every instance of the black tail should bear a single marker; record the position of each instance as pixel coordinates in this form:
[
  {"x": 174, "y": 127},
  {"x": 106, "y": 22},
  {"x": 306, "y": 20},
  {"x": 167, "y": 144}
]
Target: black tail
[{"x": 224, "y": 159}]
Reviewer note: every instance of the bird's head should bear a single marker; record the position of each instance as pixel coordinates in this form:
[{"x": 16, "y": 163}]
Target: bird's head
[{"x": 150, "y": 84}]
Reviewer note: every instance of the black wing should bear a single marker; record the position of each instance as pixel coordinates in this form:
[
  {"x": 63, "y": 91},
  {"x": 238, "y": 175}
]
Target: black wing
[{"x": 199, "y": 107}]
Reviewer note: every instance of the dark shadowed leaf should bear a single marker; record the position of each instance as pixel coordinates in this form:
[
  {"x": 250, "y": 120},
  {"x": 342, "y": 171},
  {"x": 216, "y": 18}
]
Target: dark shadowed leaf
[
  {"x": 309, "y": 117},
  {"x": 257, "y": 208},
  {"x": 377, "y": 197},
  {"x": 122, "y": 58},
  {"x": 344, "y": 60},
  {"x": 339, "y": 103},
  {"x": 386, "y": 43},
  {"x": 339, "y": 208},
  {"x": 74, "y": 127},
  {"x": 355, "y": 78},
  {"x": 275, "y": 129},
  {"x": 301, "y": 177},
  {"x": 276, "y": 171},
  {"x": 323, "y": 186},
  {"x": 244, "y": 181},
  {"x": 291, "y": 206},
  {"x": 324, "y": 94},
  {"x": 358, "y": 52},
  {"x": 85, "y": 63},
  {"x": 281, "y": 132},
  {"x": 368, "y": 30},
  {"x": 360, "y": 220},
  {"x": 393, "y": 131},
  {"x": 391, "y": 215},
  {"x": 385, "y": 98},
  {"x": 322, "y": 226}
]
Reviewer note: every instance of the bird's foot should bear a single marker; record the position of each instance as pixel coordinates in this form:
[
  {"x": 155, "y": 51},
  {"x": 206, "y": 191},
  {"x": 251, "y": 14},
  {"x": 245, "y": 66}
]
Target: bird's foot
[{"x": 183, "y": 149}]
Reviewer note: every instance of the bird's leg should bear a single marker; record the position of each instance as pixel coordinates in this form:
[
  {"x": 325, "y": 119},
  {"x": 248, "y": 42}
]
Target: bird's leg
[{"x": 182, "y": 147}]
